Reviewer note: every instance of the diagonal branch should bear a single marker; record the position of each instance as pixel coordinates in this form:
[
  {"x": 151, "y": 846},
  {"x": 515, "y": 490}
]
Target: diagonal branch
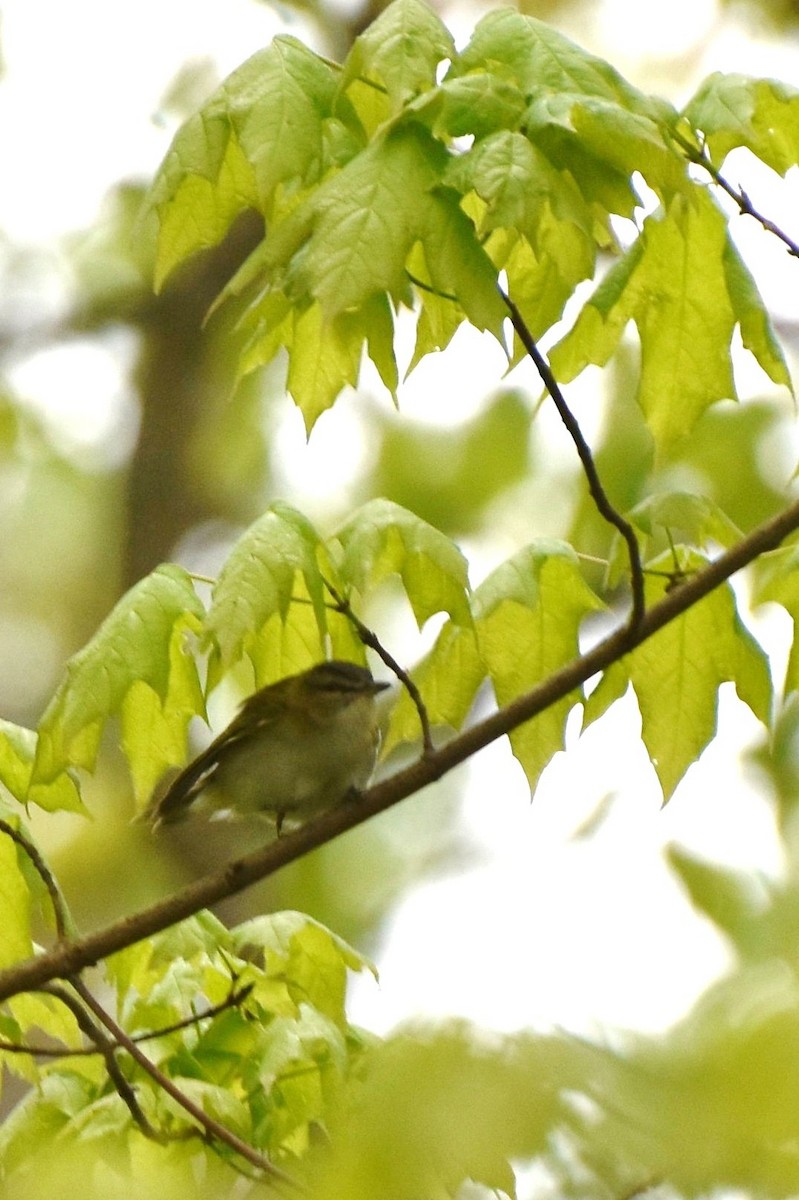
[
  {"x": 595, "y": 485},
  {"x": 64, "y": 960}
]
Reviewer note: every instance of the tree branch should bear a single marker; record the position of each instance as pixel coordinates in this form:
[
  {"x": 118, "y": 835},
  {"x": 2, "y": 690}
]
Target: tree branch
[
  {"x": 700, "y": 156},
  {"x": 64, "y": 960},
  {"x": 83, "y": 1003},
  {"x": 595, "y": 485}
]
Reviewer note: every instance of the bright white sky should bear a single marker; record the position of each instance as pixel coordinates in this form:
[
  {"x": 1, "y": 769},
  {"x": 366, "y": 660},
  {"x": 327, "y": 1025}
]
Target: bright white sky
[{"x": 548, "y": 928}]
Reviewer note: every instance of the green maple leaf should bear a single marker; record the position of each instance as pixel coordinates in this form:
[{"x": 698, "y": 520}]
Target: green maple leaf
[
  {"x": 733, "y": 110},
  {"x": 382, "y": 539},
  {"x": 681, "y": 516},
  {"x": 17, "y": 756},
  {"x": 684, "y": 285},
  {"x": 580, "y": 111},
  {"x": 400, "y": 51},
  {"x": 447, "y": 678},
  {"x": 527, "y": 616},
  {"x": 676, "y": 674},
  {"x": 267, "y": 127},
  {"x": 273, "y": 564},
  {"x": 137, "y": 666},
  {"x": 352, "y": 237}
]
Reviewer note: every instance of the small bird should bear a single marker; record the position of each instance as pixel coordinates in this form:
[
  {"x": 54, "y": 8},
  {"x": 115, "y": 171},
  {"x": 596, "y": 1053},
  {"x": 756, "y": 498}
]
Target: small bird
[{"x": 296, "y": 747}]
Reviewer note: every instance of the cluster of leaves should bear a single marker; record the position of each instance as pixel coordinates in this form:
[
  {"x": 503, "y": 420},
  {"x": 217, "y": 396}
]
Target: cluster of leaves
[
  {"x": 417, "y": 175},
  {"x": 414, "y": 174},
  {"x": 267, "y": 1062}
]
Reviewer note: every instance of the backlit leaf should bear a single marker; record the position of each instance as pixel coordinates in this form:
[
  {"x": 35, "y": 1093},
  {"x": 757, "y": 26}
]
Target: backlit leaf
[
  {"x": 400, "y": 51},
  {"x": 263, "y": 128},
  {"x": 675, "y": 284},
  {"x": 381, "y": 539},
  {"x": 737, "y": 110},
  {"x": 527, "y": 617},
  {"x": 17, "y": 754},
  {"x": 258, "y": 581},
  {"x": 676, "y": 674},
  {"x": 143, "y": 641}
]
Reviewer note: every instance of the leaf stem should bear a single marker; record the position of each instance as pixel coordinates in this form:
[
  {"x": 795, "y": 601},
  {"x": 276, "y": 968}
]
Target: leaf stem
[
  {"x": 700, "y": 156},
  {"x": 586, "y": 458},
  {"x": 369, "y": 638},
  {"x": 65, "y": 926}
]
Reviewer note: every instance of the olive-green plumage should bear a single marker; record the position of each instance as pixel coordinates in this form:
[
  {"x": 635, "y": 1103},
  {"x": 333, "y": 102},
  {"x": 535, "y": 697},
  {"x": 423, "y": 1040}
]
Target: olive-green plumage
[{"x": 298, "y": 746}]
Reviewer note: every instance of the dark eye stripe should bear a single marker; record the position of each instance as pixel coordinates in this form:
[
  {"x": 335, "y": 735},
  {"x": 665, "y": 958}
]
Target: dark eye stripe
[
  {"x": 343, "y": 677},
  {"x": 351, "y": 679}
]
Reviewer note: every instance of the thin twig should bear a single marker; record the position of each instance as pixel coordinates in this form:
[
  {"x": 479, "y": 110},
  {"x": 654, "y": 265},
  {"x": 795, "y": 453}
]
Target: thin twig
[
  {"x": 586, "y": 458},
  {"x": 428, "y": 287},
  {"x": 46, "y": 1051},
  {"x": 700, "y": 156},
  {"x": 107, "y": 1048},
  {"x": 369, "y": 638},
  {"x": 231, "y": 1001},
  {"x": 63, "y": 921}
]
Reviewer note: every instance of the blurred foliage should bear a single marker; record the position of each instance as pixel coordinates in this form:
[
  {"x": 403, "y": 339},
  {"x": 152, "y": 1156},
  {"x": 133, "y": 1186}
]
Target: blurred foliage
[
  {"x": 450, "y": 477},
  {"x": 710, "y": 1104},
  {"x": 770, "y": 14},
  {"x": 74, "y": 517}
]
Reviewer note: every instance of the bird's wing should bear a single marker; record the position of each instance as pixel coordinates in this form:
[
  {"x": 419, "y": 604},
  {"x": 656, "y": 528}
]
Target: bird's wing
[
  {"x": 186, "y": 787},
  {"x": 191, "y": 781}
]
